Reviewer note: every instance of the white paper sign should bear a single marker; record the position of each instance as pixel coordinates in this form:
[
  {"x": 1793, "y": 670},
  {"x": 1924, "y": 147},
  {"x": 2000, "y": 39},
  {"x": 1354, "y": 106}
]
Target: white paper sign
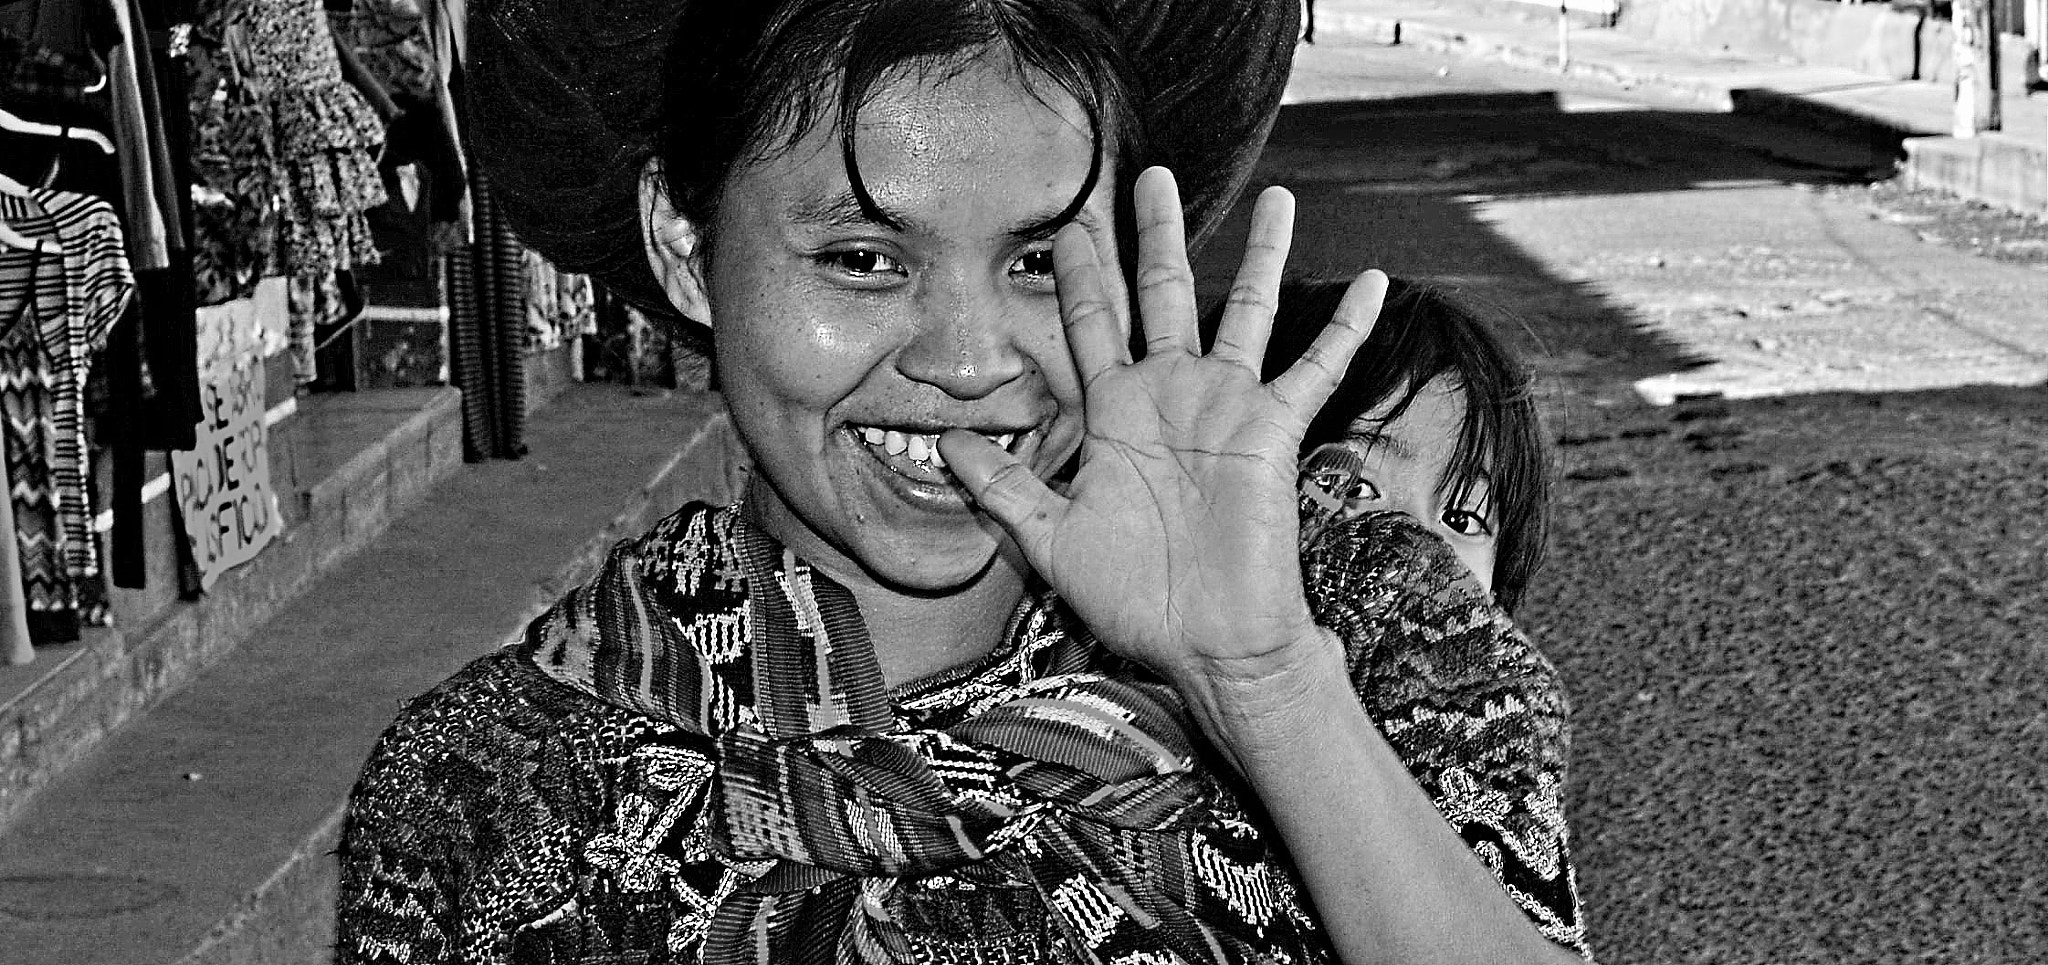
[{"x": 223, "y": 484}]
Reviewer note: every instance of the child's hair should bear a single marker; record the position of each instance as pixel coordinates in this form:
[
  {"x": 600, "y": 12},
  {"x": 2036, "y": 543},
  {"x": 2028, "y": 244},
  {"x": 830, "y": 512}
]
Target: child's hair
[{"x": 1424, "y": 332}]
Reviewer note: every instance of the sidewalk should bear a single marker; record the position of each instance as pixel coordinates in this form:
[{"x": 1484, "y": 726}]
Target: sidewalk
[
  {"x": 202, "y": 831},
  {"x": 2008, "y": 168}
]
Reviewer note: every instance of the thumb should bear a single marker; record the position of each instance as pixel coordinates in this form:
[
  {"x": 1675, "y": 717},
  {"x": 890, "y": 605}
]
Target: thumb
[{"x": 1005, "y": 488}]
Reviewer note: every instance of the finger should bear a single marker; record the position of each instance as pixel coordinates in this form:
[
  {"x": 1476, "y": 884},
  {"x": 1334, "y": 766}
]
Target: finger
[
  {"x": 1115, "y": 287},
  {"x": 1005, "y": 488},
  {"x": 1094, "y": 334},
  {"x": 1166, "y": 285},
  {"x": 1255, "y": 294},
  {"x": 1308, "y": 382}
]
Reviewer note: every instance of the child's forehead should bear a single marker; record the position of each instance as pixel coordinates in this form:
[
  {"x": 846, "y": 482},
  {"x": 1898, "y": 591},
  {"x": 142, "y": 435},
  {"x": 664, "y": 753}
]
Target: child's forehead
[
  {"x": 1436, "y": 412},
  {"x": 1421, "y": 444}
]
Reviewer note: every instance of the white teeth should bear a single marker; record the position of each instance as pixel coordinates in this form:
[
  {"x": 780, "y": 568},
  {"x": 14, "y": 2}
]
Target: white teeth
[{"x": 920, "y": 447}]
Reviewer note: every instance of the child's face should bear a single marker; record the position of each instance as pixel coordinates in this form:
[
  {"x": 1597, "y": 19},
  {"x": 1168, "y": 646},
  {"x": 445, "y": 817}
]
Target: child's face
[{"x": 1396, "y": 467}]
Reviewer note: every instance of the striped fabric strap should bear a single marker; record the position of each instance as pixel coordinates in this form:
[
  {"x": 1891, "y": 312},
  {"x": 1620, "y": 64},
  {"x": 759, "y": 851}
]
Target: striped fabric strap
[{"x": 1096, "y": 772}]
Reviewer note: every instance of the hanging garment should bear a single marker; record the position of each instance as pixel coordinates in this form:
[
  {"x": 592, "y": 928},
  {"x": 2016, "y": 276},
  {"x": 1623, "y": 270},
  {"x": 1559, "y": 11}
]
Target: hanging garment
[
  {"x": 234, "y": 175},
  {"x": 37, "y": 81},
  {"x": 138, "y": 133},
  {"x": 68, "y": 304},
  {"x": 170, "y": 311},
  {"x": 560, "y": 306},
  {"x": 275, "y": 60},
  {"x": 487, "y": 332},
  {"x": 389, "y": 37},
  {"x": 16, "y": 645},
  {"x": 31, "y": 443}
]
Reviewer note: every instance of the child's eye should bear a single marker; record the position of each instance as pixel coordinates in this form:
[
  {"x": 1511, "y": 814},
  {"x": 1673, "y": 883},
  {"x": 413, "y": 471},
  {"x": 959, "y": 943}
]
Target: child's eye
[
  {"x": 861, "y": 263},
  {"x": 1361, "y": 497},
  {"x": 1466, "y": 523}
]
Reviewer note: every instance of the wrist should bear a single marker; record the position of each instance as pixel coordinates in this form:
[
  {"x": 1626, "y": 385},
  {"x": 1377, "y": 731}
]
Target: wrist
[{"x": 1255, "y": 698}]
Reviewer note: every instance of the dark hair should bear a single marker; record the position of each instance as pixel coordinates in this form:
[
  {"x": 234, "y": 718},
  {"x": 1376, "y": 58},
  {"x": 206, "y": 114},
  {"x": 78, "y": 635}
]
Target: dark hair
[
  {"x": 748, "y": 78},
  {"x": 1424, "y": 332}
]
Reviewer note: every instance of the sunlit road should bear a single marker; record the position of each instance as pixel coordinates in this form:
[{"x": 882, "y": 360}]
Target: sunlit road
[{"x": 1803, "y": 612}]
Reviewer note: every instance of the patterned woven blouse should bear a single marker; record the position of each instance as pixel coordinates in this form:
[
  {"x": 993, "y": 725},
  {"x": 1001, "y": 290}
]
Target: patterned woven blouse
[{"x": 693, "y": 758}]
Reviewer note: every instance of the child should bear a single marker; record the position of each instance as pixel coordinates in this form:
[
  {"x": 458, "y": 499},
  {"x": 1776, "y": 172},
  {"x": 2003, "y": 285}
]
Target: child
[{"x": 1434, "y": 419}]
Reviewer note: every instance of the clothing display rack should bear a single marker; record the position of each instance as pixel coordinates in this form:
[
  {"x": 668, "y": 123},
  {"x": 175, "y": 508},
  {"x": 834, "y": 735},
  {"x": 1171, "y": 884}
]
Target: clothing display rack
[{"x": 162, "y": 157}]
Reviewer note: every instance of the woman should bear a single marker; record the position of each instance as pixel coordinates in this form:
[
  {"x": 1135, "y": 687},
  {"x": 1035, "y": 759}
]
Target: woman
[{"x": 841, "y": 721}]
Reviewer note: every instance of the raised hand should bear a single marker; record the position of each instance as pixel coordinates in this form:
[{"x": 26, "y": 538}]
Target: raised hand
[{"x": 1176, "y": 542}]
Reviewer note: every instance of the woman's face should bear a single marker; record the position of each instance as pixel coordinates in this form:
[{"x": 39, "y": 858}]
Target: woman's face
[{"x": 846, "y": 346}]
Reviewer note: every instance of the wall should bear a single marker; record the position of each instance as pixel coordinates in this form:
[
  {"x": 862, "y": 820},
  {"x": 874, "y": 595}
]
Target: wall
[{"x": 1895, "y": 44}]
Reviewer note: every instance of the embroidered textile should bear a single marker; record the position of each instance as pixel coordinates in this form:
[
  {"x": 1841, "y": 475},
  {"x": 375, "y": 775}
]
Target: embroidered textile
[{"x": 691, "y": 759}]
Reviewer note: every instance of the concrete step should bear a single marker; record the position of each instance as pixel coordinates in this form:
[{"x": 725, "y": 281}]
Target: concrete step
[
  {"x": 203, "y": 831},
  {"x": 2000, "y": 169},
  {"x": 345, "y": 466}
]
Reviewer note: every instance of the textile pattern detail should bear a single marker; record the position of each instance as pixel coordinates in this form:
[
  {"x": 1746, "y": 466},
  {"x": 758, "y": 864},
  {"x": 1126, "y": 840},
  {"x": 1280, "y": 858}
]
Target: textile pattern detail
[{"x": 691, "y": 759}]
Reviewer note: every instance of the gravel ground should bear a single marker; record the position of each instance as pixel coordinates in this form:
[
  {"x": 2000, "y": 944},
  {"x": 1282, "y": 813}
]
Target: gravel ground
[
  {"x": 1940, "y": 219},
  {"x": 1805, "y": 642}
]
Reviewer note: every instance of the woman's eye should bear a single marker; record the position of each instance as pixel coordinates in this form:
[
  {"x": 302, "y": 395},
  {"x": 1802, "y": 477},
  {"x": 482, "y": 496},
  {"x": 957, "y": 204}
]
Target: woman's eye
[
  {"x": 1033, "y": 264},
  {"x": 1466, "y": 523},
  {"x": 862, "y": 262}
]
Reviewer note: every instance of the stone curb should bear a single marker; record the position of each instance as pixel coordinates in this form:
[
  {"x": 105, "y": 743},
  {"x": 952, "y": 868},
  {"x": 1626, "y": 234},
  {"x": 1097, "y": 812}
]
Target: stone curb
[
  {"x": 89, "y": 690},
  {"x": 289, "y": 917},
  {"x": 1998, "y": 169}
]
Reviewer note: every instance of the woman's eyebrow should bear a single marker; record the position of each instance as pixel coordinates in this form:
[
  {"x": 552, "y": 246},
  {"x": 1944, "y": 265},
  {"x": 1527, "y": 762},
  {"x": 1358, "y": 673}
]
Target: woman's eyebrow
[
  {"x": 843, "y": 210},
  {"x": 1044, "y": 224}
]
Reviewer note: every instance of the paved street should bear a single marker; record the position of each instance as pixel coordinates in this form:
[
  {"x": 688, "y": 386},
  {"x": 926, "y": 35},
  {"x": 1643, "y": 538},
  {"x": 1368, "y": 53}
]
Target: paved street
[{"x": 1797, "y": 582}]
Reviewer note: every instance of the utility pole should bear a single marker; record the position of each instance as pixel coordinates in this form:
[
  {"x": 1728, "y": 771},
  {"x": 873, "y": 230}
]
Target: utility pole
[
  {"x": 2035, "y": 25},
  {"x": 1976, "y": 59}
]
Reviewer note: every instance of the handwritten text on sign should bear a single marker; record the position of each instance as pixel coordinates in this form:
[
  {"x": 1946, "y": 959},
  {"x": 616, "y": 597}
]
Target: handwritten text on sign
[{"x": 223, "y": 484}]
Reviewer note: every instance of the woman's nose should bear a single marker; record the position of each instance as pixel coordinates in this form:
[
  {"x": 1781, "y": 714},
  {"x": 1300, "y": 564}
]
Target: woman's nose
[{"x": 966, "y": 344}]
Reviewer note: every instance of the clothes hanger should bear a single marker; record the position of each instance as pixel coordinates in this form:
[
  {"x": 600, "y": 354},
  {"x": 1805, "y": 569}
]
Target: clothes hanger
[{"x": 9, "y": 122}]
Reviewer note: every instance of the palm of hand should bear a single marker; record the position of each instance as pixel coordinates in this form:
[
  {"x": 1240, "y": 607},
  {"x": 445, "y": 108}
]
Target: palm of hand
[
  {"x": 1178, "y": 545},
  {"x": 1176, "y": 542}
]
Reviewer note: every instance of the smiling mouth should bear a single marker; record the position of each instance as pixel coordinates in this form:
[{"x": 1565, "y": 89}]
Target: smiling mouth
[{"x": 916, "y": 454}]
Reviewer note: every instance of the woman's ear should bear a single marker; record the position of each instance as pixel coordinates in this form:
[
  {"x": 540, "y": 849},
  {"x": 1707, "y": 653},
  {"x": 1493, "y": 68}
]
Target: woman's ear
[{"x": 675, "y": 247}]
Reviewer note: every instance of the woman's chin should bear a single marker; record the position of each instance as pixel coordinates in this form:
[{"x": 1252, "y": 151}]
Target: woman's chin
[{"x": 934, "y": 568}]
